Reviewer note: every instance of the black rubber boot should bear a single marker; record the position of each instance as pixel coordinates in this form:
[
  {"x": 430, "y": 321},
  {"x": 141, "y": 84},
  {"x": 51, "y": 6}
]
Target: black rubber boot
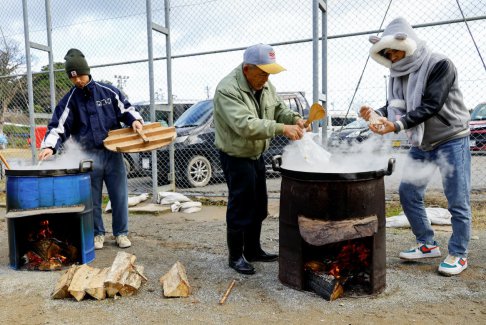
[
  {"x": 253, "y": 250},
  {"x": 236, "y": 259}
]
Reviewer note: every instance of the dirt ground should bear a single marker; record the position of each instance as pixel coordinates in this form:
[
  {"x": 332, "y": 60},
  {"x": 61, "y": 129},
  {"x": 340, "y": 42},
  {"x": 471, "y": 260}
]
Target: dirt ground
[{"x": 415, "y": 292}]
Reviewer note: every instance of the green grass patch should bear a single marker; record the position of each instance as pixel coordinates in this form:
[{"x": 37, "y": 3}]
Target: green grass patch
[{"x": 392, "y": 208}]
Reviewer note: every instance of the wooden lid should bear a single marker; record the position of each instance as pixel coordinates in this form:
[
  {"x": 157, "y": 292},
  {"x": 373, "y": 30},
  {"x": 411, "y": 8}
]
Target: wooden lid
[{"x": 154, "y": 136}]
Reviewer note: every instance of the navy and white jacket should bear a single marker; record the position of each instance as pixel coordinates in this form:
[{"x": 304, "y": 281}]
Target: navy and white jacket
[{"x": 88, "y": 114}]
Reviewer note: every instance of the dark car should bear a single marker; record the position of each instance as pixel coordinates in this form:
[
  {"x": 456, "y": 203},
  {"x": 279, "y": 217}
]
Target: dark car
[
  {"x": 358, "y": 132},
  {"x": 195, "y": 156},
  {"x": 477, "y": 125},
  {"x": 352, "y": 133}
]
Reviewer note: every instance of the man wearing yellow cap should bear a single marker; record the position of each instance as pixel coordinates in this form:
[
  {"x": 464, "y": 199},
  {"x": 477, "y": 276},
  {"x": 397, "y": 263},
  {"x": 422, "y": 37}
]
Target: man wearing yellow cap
[{"x": 247, "y": 114}]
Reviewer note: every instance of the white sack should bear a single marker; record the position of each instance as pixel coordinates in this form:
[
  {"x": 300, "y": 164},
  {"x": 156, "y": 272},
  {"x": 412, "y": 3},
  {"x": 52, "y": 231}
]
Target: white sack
[
  {"x": 191, "y": 207},
  {"x": 192, "y": 210},
  {"x": 191, "y": 204},
  {"x": 108, "y": 207},
  {"x": 171, "y": 197},
  {"x": 175, "y": 207},
  {"x": 132, "y": 201},
  {"x": 436, "y": 216}
]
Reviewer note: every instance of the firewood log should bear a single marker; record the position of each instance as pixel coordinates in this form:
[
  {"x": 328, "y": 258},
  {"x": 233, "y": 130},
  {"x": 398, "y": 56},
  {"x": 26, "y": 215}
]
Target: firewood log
[
  {"x": 175, "y": 283},
  {"x": 325, "y": 285},
  {"x": 80, "y": 281},
  {"x": 61, "y": 289},
  {"x": 133, "y": 282},
  {"x": 321, "y": 232},
  {"x": 118, "y": 273},
  {"x": 96, "y": 286}
]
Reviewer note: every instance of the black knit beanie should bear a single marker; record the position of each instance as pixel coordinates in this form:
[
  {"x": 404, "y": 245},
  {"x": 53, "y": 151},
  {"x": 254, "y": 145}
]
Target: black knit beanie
[{"x": 76, "y": 63}]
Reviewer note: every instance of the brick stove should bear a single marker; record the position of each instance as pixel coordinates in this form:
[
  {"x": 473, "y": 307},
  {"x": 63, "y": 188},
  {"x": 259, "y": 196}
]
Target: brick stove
[{"x": 337, "y": 222}]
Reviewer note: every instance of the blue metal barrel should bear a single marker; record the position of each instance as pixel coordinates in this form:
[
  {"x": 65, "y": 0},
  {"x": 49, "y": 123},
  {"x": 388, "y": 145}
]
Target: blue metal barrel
[{"x": 33, "y": 189}]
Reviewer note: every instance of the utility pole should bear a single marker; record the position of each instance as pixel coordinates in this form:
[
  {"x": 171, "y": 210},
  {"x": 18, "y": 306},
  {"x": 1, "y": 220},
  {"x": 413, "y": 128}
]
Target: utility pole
[
  {"x": 159, "y": 95},
  {"x": 207, "y": 92},
  {"x": 121, "y": 81}
]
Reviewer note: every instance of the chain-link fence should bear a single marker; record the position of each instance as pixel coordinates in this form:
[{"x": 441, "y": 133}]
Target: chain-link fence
[{"x": 207, "y": 40}]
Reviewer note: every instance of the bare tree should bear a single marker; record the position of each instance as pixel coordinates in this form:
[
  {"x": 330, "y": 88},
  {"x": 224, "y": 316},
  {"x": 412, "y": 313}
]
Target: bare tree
[{"x": 11, "y": 59}]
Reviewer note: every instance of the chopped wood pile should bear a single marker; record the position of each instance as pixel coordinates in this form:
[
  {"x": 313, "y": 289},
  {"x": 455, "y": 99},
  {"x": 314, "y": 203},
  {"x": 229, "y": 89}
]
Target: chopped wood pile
[
  {"x": 123, "y": 278},
  {"x": 175, "y": 283}
]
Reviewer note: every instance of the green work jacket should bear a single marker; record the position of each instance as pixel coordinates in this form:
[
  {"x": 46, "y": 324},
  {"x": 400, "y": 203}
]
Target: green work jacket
[{"x": 244, "y": 127}]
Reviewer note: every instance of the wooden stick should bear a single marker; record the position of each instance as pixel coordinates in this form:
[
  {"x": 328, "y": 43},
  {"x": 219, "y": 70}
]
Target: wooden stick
[
  {"x": 4, "y": 161},
  {"x": 228, "y": 291}
]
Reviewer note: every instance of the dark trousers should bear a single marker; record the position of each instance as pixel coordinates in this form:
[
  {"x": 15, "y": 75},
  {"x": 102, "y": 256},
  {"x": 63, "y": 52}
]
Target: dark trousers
[{"x": 247, "y": 192}]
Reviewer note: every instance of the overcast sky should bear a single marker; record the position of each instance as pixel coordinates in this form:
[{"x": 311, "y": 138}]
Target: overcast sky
[{"x": 115, "y": 31}]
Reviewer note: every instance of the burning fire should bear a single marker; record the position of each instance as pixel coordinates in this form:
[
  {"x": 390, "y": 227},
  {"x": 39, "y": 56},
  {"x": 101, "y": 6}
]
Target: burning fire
[
  {"x": 352, "y": 260},
  {"x": 352, "y": 257},
  {"x": 46, "y": 252}
]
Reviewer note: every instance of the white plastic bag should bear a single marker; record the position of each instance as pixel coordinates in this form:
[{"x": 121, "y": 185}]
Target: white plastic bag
[{"x": 305, "y": 155}]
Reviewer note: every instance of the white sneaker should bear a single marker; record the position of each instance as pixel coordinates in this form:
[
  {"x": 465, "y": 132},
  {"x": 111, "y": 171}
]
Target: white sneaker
[
  {"x": 420, "y": 251},
  {"x": 123, "y": 241},
  {"x": 452, "y": 265},
  {"x": 98, "y": 241}
]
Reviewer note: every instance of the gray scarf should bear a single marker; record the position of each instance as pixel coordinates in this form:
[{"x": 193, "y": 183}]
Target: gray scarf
[{"x": 416, "y": 67}]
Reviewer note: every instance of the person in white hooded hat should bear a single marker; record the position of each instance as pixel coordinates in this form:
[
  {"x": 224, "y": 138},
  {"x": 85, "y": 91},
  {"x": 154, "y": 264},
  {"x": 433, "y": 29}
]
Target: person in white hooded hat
[{"x": 424, "y": 100}]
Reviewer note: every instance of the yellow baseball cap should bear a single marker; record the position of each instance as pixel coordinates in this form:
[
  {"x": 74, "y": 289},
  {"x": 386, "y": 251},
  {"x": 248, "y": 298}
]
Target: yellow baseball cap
[{"x": 263, "y": 56}]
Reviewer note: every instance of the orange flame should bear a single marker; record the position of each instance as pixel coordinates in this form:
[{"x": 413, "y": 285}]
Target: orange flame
[{"x": 351, "y": 257}]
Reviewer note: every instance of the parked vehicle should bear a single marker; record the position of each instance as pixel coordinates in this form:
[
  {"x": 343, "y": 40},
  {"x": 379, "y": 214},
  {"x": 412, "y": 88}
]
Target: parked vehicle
[
  {"x": 338, "y": 120},
  {"x": 477, "y": 125},
  {"x": 352, "y": 133},
  {"x": 358, "y": 131},
  {"x": 161, "y": 113},
  {"x": 132, "y": 166},
  {"x": 196, "y": 158}
]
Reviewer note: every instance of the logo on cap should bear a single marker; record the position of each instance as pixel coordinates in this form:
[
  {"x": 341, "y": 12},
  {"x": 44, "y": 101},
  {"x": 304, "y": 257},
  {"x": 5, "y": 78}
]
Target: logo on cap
[
  {"x": 73, "y": 73},
  {"x": 271, "y": 54}
]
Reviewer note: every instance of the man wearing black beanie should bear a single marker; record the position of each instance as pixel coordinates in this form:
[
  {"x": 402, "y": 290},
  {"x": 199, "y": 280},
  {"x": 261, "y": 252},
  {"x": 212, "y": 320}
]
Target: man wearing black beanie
[{"x": 87, "y": 112}]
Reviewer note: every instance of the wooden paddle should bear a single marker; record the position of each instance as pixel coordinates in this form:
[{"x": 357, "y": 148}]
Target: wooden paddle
[
  {"x": 4, "y": 161},
  {"x": 316, "y": 113}
]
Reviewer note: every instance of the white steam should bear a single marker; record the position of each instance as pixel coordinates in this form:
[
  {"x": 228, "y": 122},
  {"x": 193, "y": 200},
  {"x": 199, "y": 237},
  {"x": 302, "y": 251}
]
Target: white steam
[
  {"x": 70, "y": 158},
  {"x": 309, "y": 156}
]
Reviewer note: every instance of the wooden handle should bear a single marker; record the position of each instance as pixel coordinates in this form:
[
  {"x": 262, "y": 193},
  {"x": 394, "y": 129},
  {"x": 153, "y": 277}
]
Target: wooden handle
[
  {"x": 316, "y": 112},
  {"x": 4, "y": 161},
  {"x": 142, "y": 134}
]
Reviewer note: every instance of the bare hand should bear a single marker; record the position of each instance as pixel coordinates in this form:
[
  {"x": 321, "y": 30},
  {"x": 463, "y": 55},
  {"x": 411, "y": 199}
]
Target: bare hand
[
  {"x": 384, "y": 128},
  {"x": 293, "y": 132},
  {"x": 137, "y": 125},
  {"x": 45, "y": 153},
  {"x": 301, "y": 124}
]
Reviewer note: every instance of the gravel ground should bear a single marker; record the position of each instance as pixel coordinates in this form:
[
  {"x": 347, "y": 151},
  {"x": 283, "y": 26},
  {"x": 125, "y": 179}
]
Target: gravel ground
[{"x": 415, "y": 292}]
